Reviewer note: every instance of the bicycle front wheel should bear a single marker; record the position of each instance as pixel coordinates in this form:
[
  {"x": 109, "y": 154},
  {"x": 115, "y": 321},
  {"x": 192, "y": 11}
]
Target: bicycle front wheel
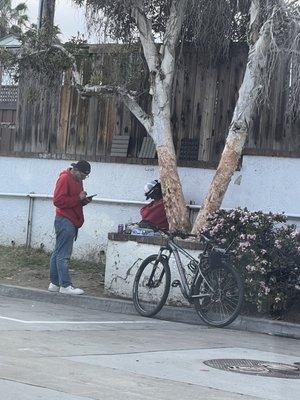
[
  {"x": 221, "y": 294},
  {"x": 151, "y": 286}
]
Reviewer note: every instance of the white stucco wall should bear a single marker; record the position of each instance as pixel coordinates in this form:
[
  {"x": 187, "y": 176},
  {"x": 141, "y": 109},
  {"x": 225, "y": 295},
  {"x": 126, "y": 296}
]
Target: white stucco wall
[
  {"x": 123, "y": 260},
  {"x": 265, "y": 183}
]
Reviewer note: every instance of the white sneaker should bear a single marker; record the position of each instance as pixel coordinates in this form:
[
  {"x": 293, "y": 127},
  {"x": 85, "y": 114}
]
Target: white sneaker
[
  {"x": 70, "y": 290},
  {"x": 53, "y": 288}
]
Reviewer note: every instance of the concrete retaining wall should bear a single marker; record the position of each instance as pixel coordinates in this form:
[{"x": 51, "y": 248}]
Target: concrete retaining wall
[
  {"x": 123, "y": 259},
  {"x": 263, "y": 183}
]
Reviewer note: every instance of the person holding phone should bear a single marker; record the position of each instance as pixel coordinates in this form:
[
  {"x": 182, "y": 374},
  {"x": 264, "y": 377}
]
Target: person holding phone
[{"x": 69, "y": 199}]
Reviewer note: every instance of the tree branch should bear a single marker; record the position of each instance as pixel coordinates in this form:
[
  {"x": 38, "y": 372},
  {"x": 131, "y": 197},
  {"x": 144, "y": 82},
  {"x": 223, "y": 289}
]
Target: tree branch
[
  {"x": 75, "y": 73},
  {"x": 174, "y": 23},
  {"x": 144, "y": 26},
  {"x": 145, "y": 119},
  {"x": 127, "y": 96},
  {"x": 173, "y": 29}
]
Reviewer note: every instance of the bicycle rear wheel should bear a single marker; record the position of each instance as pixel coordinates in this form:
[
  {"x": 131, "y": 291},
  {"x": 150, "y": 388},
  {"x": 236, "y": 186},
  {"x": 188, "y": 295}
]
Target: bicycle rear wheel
[
  {"x": 221, "y": 295},
  {"x": 151, "y": 286}
]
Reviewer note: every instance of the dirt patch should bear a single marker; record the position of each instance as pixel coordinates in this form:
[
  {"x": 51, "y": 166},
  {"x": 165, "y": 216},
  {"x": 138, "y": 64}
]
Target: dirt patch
[{"x": 30, "y": 268}]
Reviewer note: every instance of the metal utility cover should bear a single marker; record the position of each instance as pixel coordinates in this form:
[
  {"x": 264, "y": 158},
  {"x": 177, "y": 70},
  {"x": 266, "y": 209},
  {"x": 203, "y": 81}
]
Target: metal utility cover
[{"x": 257, "y": 367}]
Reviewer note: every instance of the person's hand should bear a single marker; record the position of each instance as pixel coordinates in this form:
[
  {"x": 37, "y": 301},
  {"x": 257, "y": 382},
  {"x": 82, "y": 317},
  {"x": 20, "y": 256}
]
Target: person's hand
[
  {"x": 86, "y": 201},
  {"x": 82, "y": 195}
]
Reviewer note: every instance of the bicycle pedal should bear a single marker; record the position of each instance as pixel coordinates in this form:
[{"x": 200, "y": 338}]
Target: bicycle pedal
[{"x": 176, "y": 283}]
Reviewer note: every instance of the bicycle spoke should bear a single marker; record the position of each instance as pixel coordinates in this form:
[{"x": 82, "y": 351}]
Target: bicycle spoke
[
  {"x": 229, "y": 307},
  {"x": 151, "y": 286},
  {"x": 233, "y": 303},
  {"x": 223, "y": 300}
]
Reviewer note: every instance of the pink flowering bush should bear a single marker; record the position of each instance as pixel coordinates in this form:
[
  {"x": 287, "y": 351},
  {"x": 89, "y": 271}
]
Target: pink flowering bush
[{"x": 265, "y": 250}]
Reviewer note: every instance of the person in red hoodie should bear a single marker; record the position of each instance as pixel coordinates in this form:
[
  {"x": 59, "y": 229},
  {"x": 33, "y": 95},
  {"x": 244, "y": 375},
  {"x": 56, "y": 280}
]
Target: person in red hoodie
[
  {"x": 154, "y": 214},
  {"x": 69, "y": 199}
]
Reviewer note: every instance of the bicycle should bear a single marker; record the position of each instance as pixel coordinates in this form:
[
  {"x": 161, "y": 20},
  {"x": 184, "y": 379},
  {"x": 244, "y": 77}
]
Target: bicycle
[{"x": 216, "y": 289}]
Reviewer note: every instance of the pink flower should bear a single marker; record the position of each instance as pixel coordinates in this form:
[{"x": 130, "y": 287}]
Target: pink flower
[
  {"x": 277, "y": 299},
  {"x": 244, "y": 245},
  {"x": 267, "y": 290}
]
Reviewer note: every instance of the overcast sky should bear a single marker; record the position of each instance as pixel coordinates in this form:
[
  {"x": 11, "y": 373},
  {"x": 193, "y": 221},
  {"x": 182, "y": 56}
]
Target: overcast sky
[{"x": 68, "y": 16}]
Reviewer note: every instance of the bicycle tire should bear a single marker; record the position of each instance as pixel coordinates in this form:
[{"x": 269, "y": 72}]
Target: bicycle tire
[
  {"x": 143, "y": 305},
  {"x": 202, "y": 304}
]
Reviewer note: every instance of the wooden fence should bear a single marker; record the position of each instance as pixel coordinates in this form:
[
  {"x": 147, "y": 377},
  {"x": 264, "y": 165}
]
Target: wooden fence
[
  {"x": 8, "y": 107},
  {"x": 57, "y": 121}
]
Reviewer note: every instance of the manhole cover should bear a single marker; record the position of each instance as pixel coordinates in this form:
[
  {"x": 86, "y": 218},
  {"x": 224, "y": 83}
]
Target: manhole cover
[{"x": 257, "y": 367}]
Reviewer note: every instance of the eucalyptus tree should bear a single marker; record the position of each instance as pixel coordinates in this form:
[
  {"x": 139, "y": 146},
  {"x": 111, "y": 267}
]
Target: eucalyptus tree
[
  {"x": 162, "y": 26},
  {"x": 274, "y": 32},
  {"x": 143, "y": 20}
]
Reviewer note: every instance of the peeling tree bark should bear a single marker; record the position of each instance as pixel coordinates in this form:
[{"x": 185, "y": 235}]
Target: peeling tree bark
[
  {"x": 238, "y": 130},
  {"x": 172, "y": 192},
  {"x": 161, "y": 68},
  {"x": 161, "y": 132}
]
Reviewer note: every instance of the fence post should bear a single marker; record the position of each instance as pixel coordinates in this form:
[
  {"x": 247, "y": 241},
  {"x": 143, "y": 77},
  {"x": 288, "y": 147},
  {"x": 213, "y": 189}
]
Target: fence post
[{"x": 29, "y": 221}]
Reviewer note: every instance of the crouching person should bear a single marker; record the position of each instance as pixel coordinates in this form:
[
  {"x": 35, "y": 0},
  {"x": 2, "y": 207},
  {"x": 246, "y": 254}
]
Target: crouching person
[{"x": 154, "y": 214}]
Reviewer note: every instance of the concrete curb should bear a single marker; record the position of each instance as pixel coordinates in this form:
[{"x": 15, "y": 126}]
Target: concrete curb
[{"x": 176, "y": 314}]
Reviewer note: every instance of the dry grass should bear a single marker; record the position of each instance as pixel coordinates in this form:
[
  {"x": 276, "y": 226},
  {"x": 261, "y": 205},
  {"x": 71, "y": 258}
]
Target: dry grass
[{"x": 30, "y": 267}]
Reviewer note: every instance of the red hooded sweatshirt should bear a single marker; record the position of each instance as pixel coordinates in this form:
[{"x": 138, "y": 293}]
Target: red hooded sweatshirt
[
  {"x": 66, "y": 198},
  {"x": 155, "y": 213}
]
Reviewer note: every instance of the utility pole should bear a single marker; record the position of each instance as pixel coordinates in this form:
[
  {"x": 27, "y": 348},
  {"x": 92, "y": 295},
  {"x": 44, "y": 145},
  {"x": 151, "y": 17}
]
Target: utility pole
[{"x": 46, "y": 13}]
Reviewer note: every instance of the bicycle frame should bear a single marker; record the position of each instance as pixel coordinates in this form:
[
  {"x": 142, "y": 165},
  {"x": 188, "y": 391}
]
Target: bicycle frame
[{"x": 176, "y": 250}]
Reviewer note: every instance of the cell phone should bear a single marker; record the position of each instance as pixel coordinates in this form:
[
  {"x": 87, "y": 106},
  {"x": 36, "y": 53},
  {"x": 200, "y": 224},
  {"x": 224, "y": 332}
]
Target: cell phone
[{"x": 90, "y": 197}]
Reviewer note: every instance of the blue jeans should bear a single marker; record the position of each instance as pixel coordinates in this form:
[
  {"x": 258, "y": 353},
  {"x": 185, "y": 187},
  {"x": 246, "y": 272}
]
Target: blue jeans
[{"x": 59, "y": 264}]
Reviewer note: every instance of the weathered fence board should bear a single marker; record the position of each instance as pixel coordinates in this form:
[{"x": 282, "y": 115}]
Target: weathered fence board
[
  {"x": 8, "y": 106},
  {"x": 57, "y": 120}
]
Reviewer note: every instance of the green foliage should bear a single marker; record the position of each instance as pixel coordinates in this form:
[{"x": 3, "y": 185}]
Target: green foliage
[
  {"x": 266, "y": 250},
  {"x": 13, "y": 20},
  {"x": 119, "y": 65},
  {"x": 38, "y": 55},
  {"x": 210, "y": 25}
]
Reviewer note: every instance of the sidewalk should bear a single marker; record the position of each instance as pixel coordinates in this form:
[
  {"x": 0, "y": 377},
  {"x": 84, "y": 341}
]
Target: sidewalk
[{"x": 177, "y": 314}]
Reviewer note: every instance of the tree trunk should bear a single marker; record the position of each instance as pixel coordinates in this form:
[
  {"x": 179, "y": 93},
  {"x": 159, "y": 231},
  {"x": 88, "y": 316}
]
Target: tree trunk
[
  {"x": 161, "y": 133},
  {"x": 161, "y": 71},
  {"x": 174, "y": 202},
  {"x": 46, "y": 13},
  {"x": 226, "y": 168},
  {"x": 239, "y": 126}
]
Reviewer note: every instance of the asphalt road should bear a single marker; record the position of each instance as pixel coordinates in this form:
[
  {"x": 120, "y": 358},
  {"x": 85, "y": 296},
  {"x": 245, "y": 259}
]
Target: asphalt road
[{"x": 57, "y": 352}]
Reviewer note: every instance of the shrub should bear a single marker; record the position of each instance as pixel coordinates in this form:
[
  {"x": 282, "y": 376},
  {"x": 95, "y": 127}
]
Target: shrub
[{"x": 265, "y": 249}]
